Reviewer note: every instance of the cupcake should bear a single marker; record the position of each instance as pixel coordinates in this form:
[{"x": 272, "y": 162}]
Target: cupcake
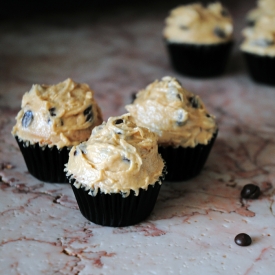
[
  {"x": 199, "y": 39},
  {"x": 52, "y": 119},
  {"x": 186, "y": 131},
  {"x": 258, "y": 47},
  {"x": 116, "y": 174}
]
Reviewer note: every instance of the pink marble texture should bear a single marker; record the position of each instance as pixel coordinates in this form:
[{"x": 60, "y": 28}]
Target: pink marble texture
[{"x": 194, "y": 223}]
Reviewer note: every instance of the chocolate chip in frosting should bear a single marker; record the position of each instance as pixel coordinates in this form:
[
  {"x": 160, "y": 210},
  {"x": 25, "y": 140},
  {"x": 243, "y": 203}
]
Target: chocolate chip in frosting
[
  {"x": 125, "y": 159},
  {"x": 88, "y": 113},
  {"x": 194, "y": 102},
  {"x": 224, "y": 12},
  {"x": 181, "y": 118},
  {"x": 119, "y": 121},
  {"x": 27, "y": 119},
  {"x": 52, "y": 111},
  {"x": 184, "y": 28},
  {"x": 219, "y": 32},
  {"x": 250, "y": 191},
  {"x": 263, "y": 42}
]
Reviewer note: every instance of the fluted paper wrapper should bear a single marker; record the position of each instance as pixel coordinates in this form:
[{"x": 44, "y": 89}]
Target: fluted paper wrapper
[
  {"x": 185, "y": 163},
  {"x": 45, "y": 163},
  {"x": 114, "y": 209}
]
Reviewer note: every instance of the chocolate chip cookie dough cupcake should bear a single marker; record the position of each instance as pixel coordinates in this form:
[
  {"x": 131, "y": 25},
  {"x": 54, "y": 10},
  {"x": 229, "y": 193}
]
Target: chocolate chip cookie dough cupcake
[
  {"x": 116, "y": 174},
  {"x": 199, "y": 39},
  {"x": 52, "y": 119},
  {"x": 185, "y": 129},
  {"x": 258, "y": 46}
]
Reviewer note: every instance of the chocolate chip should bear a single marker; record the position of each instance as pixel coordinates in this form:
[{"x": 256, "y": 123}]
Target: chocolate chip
[
  {"x": 219, "y": 32},
  {"x": 27, "y": 119},
  {"x": 75, "y": 153},
  {"x": 194, "y": 102},
  {"x": 88, "y": 113},
  {"x": 207, "y": 115},
  {"x": 125, "y": 159},
  {"x": 119, "y": 121},
  {"x": 250, "y": 191},
  {"x": 224, "y": 12},
  {"x": 263, "y": 42},
  {"x": 185, "y": 28},
  {"x": 52, "y": 111},
  {"x": 61, "y": 122},
  {"x": 251, "y": 23},
  {"x": 179, "y": 97},
  {"x": 181, "y": 118},
  {"x": 133, "y": 96},
  {"x": 243, "y": 239}
]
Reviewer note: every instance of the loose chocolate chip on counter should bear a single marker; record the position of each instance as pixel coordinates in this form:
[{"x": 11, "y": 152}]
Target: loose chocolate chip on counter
[
  {"x": 243, "y": 239},
  {"x": 219, "y": 32},
  {"x": 194, "y": 102},
  {"x": 88, "y": 113},
  {"x": 27, "y": 119},
  {"x": 52, "y": 111},
  {"x": 119, "y": 121},
  {"x": 250, "y": 191}
]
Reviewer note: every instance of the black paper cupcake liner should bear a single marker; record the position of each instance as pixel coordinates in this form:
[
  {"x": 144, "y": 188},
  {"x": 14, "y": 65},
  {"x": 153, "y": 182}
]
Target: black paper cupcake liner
[
  {"x": 261, "y": 68},
  {"x": 185, "y": 163},
  {"x": 115, "y": 210},
  {"x": 199, "y": 60},
  {"x": 45, "y": 163}
]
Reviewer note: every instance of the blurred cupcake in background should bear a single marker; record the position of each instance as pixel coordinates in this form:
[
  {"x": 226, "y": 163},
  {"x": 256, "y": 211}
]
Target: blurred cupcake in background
[
  {"x": 186, "y": 131},
  {"x": 258, "y": 46},
  {"x": 52, "y": 119},
  {"x": 199, "y": 39}
]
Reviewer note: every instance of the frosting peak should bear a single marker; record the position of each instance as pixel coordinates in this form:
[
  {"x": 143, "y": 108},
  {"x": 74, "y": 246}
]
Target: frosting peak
[
  {"x": 61, "y": 115},
  {"x": 177, "y": 116}
]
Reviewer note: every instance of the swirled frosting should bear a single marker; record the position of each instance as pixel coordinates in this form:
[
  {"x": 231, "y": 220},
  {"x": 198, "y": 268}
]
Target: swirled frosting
[
  {"x": 118, "y": 157},
  {"x": 195, "y": 23},
  {"x": 259, "y": 36},
  {"x": 264, "y": 7},
  {"x": 60, "y": 115},
  {"x": 176, "y": 115}
]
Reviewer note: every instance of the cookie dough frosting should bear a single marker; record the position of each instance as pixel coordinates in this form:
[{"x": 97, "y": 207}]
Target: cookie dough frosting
[
  {"x": 61, "y": 115},
  {"x": 176, "y": 115},
  {"x": 197, "y": 24},
  {"x": 260, "y": 38},
  {"x": 264, "y": 7},
  {"x": 118, "y": 157}
]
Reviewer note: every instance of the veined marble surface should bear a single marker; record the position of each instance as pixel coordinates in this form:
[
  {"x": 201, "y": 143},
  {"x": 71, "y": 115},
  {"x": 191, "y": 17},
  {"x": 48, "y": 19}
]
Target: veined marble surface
[{"x": 194, "y": 223}]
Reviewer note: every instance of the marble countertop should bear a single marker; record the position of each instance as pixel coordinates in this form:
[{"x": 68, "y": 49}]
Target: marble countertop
[{"x": 194, "y": 223}]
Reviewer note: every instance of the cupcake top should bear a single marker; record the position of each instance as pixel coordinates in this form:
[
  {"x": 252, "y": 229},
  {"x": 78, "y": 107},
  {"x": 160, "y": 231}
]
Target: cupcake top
[
  {"x": 264, "y": 7},
  {"x": 176, "y": 115},
  {"x": 260, "y": 38},
  {"x": 61, "y": 115},
  {"x": 196, "y": 24},
  {"x": 118, "y": 157}
]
